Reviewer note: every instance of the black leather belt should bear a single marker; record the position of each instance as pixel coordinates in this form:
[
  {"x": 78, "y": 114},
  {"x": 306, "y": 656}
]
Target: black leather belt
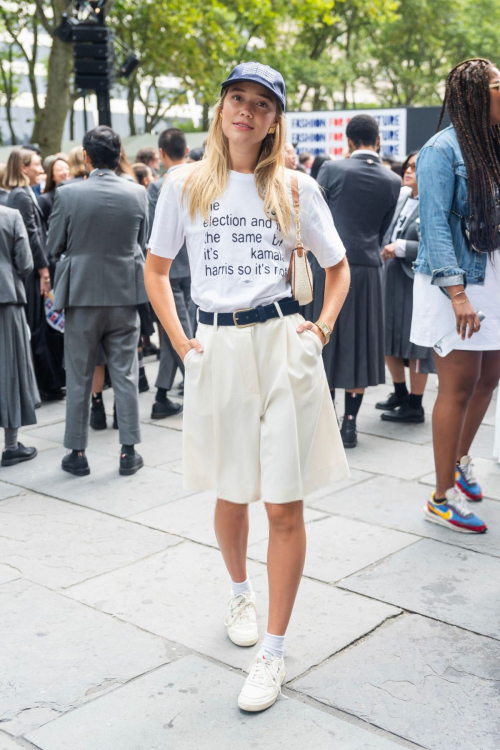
[{"x": 250, "y": 316}]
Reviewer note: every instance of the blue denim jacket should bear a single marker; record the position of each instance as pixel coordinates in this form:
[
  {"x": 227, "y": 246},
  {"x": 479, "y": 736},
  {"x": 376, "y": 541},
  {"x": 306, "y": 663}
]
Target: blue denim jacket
[{"x": 444, "y": 252}]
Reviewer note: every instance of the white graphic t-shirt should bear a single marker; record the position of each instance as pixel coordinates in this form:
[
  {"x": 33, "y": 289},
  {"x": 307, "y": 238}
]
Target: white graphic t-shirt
[{"x": 239, "y": 257}]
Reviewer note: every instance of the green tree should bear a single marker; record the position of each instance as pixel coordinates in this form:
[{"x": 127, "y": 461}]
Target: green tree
[{"x": 9, "y": 85}]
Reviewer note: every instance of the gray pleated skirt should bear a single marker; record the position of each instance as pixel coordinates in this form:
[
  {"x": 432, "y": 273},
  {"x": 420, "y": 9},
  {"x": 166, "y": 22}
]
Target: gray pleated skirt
[
  {"x": 398, "y": 306},
  {"x": 18, "y": 390},
  {"x": 354, "y": 358}
]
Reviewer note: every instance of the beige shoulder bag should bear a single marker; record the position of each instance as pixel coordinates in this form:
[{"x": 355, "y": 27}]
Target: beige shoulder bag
[{"x": 299, "y": 272}]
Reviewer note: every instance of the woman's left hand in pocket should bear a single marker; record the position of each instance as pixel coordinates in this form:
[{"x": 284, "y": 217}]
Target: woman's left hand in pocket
[{"x": 308, "y": 326}]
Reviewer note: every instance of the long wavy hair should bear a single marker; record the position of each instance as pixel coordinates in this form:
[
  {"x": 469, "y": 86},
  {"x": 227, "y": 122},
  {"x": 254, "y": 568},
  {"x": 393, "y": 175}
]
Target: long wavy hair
[
  {"x": 14, "y": 175},
  {"x": 467, "y": 99},
  {"x": 207, "y": 179}
]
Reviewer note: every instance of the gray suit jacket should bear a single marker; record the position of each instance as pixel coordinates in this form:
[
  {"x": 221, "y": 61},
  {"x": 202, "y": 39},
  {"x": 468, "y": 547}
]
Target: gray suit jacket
[
  {"x": 16, "y": 259},
  {"x": 25, "y": 201},
  {"x": 362, "y": 195},
  {"x": 410, "y": 232},
  {"x": 180, "y": 266},
  {"x": 97, "y": 231}
]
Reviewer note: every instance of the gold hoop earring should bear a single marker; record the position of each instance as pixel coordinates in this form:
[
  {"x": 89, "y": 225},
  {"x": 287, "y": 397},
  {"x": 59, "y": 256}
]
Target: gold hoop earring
[{"x": 271, "y": 131}]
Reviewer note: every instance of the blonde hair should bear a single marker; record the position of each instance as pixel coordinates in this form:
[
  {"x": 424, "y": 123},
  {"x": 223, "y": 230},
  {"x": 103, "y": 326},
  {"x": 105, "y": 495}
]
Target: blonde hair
[
  {"x": 14, "y": 175},
  {"x": 207, "y": 179},
  {"x": 76, "y": 162}
]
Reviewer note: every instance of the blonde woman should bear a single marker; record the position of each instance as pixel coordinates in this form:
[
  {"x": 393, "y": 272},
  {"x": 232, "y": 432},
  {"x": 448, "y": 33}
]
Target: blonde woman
[{"x": 258, "y": 418}]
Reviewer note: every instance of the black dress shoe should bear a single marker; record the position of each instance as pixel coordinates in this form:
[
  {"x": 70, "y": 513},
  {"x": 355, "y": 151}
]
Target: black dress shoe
[
  {"x": 56, "y": 395},
  {"x": 348, "y": 432},
  {"x": 405, "y": 413},
  {"x": 98, "y": 414},
  {"x": 143, "y": 382},
  {"x": 130, "y": 463},
  {"x": 11, "y": 458},
  {"x": 162, "y": 409},
  {"x": 76, "y": 463},
  {"x": 148, "y": 351},
  {"x": 392, "y": 402}
]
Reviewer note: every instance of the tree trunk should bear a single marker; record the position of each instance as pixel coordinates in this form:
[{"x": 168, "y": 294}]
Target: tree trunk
[
  {"x": 130, "y": 103},
  {"x": 206, "y": 116},
  {"x": 8, "y": 84},
  {"x": 57, "y": 102}
]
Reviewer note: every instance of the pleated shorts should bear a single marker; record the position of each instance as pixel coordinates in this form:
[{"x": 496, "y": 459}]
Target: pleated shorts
[{"x": 259, "y": 422}]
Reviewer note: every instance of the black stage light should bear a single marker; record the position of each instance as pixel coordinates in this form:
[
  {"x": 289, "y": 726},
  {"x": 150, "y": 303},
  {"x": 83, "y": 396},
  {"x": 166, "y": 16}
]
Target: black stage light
[
  {"x": 65, "y": 28},
  {"x": 128, "y": 66}
]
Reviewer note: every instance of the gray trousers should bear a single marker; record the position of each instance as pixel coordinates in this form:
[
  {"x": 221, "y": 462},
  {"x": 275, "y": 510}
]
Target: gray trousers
[
  {"x": 169, "y": 359},
  {"x": 117, "y": 329}
]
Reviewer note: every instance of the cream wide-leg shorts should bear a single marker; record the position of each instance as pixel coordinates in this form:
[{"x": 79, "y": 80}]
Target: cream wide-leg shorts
[{"x": 259, "y": 422}]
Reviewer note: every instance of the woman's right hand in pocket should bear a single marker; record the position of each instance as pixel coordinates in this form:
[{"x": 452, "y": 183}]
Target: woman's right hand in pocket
[
  {"x": 466, "y": 318},
  {"x": 187, "y": 346}
]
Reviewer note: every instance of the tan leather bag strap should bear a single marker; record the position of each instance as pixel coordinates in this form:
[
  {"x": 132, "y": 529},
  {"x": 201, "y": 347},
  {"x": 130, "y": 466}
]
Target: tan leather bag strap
[{"x": 296, "y": 209}]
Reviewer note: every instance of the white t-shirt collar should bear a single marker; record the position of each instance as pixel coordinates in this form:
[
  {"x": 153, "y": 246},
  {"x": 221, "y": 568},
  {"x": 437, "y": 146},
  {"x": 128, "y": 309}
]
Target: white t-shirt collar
[{"x": 367, "y": 151}]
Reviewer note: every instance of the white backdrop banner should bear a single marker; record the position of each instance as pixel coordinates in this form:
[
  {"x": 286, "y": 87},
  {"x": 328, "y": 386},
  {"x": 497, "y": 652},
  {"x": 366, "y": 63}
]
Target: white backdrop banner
[{"x": 324, "y": 132}]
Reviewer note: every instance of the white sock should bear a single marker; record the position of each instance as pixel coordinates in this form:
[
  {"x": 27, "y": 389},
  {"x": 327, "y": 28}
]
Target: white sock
[
  {"x": 241, "y": 588},
  {"x": 274, "y": 643}
]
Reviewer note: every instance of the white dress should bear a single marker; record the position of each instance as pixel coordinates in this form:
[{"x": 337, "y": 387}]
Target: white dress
[
  {"x": 496, "y": 445},
  {"x": 433, "y": 315}
]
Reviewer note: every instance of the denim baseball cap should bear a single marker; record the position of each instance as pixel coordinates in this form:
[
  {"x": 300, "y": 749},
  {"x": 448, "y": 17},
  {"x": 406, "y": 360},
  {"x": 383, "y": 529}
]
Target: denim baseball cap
[{"x": 257, "y": 73}]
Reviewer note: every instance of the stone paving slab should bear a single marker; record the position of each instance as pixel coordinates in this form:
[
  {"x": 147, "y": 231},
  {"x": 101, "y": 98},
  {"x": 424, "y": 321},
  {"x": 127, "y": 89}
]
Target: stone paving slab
[
  {"x": 355, "y": 478},
  {"x": 182, "y": 594},
  {"x": 392, "y": 458},
  {"x": 431, "y": 683},
  {"x": 487, "y": 472},
  {"x": 55, "y": 543},
  {"x": 193, "y": 518},
  {"x": 56, "y": 654},
  {"x": 106, "y": 442},
  {"x": 6, "y": 743},
  {"x": 369, "y": 422},
  {"x": 482, "y": 447},
  {"x": 8, "y": 490},
  {"x": 192, "y": 704},
  {"x": 9, "y": 573},
  {"x": 337, "y": 547},
  {"x": 104, "y": 489},
  {"x": 396, "y": 504},
  {"x": 434, "y": 579},
  {"x": 54, "y": 411}
]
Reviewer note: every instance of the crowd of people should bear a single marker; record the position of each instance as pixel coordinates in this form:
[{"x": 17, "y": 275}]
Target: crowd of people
[{"x": 402, "y": 261}]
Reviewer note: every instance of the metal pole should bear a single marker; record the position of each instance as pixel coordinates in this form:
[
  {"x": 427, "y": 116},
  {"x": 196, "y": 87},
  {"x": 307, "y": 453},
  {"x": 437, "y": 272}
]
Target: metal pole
[
  {"x": 85, "y": 121},
  {"x": 104, "y": 107}
]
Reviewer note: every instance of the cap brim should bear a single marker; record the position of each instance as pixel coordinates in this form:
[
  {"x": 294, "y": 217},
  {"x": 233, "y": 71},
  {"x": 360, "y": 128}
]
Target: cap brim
[{"x": 248, "y": 79}]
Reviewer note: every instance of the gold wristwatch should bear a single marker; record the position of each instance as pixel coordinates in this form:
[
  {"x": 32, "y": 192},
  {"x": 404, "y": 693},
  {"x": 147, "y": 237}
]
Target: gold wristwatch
[{"x": 325, "y": 330}]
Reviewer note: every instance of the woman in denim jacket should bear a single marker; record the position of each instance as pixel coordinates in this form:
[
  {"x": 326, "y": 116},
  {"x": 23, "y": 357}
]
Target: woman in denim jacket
[{"x": 457, "y": 275}]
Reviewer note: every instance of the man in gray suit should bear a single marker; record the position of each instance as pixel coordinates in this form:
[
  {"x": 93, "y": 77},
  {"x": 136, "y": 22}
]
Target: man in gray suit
[
  {"x": 97, "y": 230},
  {"x": 173, "y": 152}
]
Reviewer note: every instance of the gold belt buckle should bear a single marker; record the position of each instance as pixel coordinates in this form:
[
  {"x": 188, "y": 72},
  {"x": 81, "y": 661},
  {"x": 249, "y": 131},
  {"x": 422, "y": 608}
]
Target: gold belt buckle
[{"x": 245, "y": 325}]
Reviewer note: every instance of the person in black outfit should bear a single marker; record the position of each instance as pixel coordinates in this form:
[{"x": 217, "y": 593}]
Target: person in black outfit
[
  {"x": 362, "y": 196},
  {"x": 4, "y": 194},
  {"x": 23, "y": 171},
  {"x": 57, "y": 173}
]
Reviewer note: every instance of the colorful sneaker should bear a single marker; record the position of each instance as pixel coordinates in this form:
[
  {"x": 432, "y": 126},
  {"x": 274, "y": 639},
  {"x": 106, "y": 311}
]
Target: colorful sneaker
[
  {"x": 454, "y": 513},
  {"x": 241, "y": 621},
  {"x": 263, "y": 684},
  {"x": 466, "y": 481}
]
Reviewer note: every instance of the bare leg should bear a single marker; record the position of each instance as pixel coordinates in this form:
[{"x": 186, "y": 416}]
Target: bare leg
[
  {"x": 231, "y": 530},
  {"x": 488, "y": 381},
  {"x": 98, "y": 381},
  {"x": 418, "y": 380},
  {"x": 356, "y": 390},
  {"x": 396, "y": 367},
  {"x": 285, "y": 561},
  {"x": 458, "y": 374}
]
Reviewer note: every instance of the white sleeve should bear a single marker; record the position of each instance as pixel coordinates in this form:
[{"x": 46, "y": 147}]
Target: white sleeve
[
  {"x": 400, "y": 249},
  {"x": 167, "y": 234},
  {"x": 318, "y": 230}
]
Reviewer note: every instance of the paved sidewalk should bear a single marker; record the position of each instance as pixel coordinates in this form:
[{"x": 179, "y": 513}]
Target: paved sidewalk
[{"x": 113, "y": 596}]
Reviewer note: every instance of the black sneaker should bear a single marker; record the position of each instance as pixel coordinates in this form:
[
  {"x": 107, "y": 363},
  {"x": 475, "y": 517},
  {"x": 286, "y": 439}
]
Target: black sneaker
[
  {"x": 162, "y": 409},
  {"x": 129, "y": 464},
  {"x": 76, "y": 463},
  {"x": 143, "y": 382},
  {"x": 404, "y": 413},
  {"x": 392, "y": 402},
  {"x": 11, "y": 458},
  {"x": 150, "y": 350},
  {"x": 348, "y": 432},
  {"x": 98, "y": 414},
  {"x": 58, "y": 394}
]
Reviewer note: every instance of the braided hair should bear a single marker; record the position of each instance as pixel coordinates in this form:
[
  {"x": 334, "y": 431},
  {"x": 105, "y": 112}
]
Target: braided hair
[{"x": 467, "y": 99}]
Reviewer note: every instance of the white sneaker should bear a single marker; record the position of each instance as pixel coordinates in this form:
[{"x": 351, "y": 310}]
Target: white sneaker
[
  {"x": 241, "y": 621},
  {"x": 263, "y": 684}
]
